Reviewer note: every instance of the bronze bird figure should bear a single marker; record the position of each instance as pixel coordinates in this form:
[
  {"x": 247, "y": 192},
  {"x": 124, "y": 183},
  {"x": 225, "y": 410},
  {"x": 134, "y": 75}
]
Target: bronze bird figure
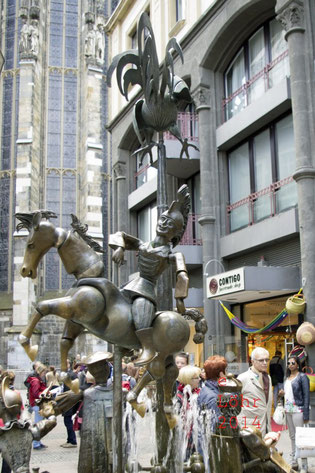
[{"x": 157, "y": 111}]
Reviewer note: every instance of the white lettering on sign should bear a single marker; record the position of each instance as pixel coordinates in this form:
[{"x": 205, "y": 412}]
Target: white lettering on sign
[{"x": 225, "y": 283}]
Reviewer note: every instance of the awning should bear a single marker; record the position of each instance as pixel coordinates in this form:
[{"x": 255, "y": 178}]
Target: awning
[{"x": 251, "y": 283}]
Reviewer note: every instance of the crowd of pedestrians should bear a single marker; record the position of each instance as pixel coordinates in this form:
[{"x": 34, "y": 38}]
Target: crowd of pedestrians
[{"x": 263, "y": 385}]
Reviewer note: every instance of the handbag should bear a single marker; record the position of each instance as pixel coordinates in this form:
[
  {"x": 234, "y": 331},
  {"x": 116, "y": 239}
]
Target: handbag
[
  {"x": 311, "y": 377},
  {"x": 279, "y": 414},
  {"x": 305, "y": 442}
]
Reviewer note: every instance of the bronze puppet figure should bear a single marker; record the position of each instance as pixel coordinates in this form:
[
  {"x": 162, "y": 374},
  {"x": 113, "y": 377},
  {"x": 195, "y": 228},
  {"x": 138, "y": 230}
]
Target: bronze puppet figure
[
  {"x": 153, "y": 258},
  {"x": 16, "y": 436},
  {"x": 96, "y": 304}
]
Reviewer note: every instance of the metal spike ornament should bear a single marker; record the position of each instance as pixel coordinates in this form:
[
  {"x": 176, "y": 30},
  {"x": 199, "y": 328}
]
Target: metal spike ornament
[{"x": 157, "y": 111}]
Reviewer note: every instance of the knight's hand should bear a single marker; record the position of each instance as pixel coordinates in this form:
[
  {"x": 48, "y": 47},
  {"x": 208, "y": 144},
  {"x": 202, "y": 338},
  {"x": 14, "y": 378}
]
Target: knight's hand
[
  {"x": 180, "y": 305},
  {"x": 118, "y": 256}
]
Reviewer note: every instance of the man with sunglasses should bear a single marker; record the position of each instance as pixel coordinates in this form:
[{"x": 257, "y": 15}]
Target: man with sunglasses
[{"x": 256, "y": 393}]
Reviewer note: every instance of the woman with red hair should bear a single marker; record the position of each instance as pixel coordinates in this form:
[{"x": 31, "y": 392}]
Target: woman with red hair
[{"x": 214, "y": 367}]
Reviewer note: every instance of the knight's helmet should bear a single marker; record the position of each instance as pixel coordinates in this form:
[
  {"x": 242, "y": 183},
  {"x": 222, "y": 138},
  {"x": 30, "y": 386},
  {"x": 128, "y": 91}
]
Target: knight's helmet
[
  {"x": 11, "y": 400},
  {"x": 178, "y": 211}
]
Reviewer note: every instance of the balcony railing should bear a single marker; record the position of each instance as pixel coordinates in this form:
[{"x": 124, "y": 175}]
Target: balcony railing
[
  {"x": 188, "y": 125},
  {"x": 145, "y": 174},
  {"x": 255, "y": 86},
  {"x": 192, "y": 232},
  {"x": 277, "y": 197}
]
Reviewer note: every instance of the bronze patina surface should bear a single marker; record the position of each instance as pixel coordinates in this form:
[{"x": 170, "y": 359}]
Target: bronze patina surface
[
  {"x": 99, "y": 306},
  {"x": 16, "y": 436}
]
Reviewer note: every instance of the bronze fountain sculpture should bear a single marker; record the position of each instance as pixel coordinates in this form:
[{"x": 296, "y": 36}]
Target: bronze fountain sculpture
[
  {"x": 16, "y": 435},
  {"x": 128, "y": 318},
  {"x": 98, "y": 305}
]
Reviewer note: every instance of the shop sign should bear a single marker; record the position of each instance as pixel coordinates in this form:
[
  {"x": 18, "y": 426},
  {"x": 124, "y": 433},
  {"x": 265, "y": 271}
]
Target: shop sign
[{"x": 225, "y": 283}]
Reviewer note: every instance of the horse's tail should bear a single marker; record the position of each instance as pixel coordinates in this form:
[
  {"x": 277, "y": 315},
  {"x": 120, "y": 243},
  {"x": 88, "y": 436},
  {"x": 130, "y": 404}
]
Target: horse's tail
[{"x": 201, "y": 325}]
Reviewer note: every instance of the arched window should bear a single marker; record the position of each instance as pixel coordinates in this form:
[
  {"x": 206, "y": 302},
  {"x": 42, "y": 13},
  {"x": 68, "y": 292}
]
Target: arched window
[{"x": 261, "y": 63}]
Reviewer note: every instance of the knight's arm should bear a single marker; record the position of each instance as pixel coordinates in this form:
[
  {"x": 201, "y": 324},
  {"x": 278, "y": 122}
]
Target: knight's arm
[
  {"x": 123, "y": 240},
  {"x": 182, "y": 280},
  {"x": 120, "y": 242}
]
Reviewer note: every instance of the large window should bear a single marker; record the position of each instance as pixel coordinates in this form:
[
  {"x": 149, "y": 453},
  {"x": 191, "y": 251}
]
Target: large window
[
  {"x": 260, "y": 175},
  {"x": 147, "y": 220},
  {"x": 192, "y": 235},
  {"x": 145, "y": 172},
  {"x": 260, "y": 64}
]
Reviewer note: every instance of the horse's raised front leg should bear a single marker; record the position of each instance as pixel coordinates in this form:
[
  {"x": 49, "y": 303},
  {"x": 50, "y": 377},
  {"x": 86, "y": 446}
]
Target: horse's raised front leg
[
  {"x": 54, "y": 306},
  {"x": 85, "y": 304},
  {"x": 25, "y": 336}
]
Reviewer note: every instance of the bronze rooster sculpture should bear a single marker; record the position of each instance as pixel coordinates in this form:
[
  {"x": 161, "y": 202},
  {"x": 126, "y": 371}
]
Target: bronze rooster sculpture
[{"x": 157, "y": 111}]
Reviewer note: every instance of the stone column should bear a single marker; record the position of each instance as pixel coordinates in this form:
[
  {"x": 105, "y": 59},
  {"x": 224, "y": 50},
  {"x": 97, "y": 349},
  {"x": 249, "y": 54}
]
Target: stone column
[
  {"x": 91, "y": 198},
  {"x": 291, "y": 15},
  {"x": 27, "y": 199},
  {"x": 209, "y": 212},
  {"x": 120, "y": 210}
]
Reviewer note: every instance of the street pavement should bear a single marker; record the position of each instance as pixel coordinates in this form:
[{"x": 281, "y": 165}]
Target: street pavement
[{"x": 55, "y": 459}]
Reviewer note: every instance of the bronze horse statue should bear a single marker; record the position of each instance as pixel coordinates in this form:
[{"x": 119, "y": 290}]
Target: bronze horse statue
[{"x": 96, "y": 304}]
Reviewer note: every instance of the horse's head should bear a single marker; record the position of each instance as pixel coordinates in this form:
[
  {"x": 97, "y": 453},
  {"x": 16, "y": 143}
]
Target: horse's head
[{"x": 43, "y": 235}]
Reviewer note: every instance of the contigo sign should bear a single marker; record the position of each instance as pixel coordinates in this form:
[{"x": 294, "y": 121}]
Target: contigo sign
[{"x": 225, "y": 283}]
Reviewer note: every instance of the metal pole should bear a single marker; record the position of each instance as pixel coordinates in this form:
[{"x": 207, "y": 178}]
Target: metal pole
[
  {"x": 118, "y": 413},
  {"x": 164, "y": 298}
]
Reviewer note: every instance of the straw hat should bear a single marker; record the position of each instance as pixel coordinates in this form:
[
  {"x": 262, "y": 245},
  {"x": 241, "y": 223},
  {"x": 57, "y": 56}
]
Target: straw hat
[{"x": 305, "y": 334}]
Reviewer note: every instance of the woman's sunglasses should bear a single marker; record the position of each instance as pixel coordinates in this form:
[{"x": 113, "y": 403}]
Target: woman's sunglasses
[{"x": 291, "y": 363}]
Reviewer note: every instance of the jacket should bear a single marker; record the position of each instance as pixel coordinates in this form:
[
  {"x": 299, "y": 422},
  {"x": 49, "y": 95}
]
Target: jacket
[
  {"x": 36, "y": 387},
  {"x": 276, "y": 370},
  {"x": 256, "y": 411},
  {"x": 208, "y": 396},
  {"x": 301, "y": 394}
]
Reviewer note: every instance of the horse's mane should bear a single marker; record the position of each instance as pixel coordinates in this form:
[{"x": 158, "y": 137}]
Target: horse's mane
[
  {"x": 27, "y": 218},
  {"x": 81, "y": 229},
  {"x": 26, "y": 221}
]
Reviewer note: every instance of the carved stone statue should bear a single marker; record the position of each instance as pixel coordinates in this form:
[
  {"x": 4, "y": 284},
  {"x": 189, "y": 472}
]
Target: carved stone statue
[
  {"x": 90, "y": 41},
  {"x": 34, "y": 37},
  {"x": 99, "y": 44},
  {"x": 24, "y": 44}
]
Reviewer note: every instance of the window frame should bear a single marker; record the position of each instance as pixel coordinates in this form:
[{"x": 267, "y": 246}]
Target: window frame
[
  {"x": 273, "y": 147},
  {"x": 245, "y": 50},
  {"x": 273, "y": 156}
]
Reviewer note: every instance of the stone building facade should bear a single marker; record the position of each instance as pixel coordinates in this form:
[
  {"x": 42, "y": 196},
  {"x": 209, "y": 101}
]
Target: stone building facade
[
  {"x": 249, "y": 65},
  {"x": 53, "y": 143}
]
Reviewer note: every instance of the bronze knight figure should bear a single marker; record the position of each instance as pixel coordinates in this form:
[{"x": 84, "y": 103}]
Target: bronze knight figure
[{"x": 153, "y": 259}]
